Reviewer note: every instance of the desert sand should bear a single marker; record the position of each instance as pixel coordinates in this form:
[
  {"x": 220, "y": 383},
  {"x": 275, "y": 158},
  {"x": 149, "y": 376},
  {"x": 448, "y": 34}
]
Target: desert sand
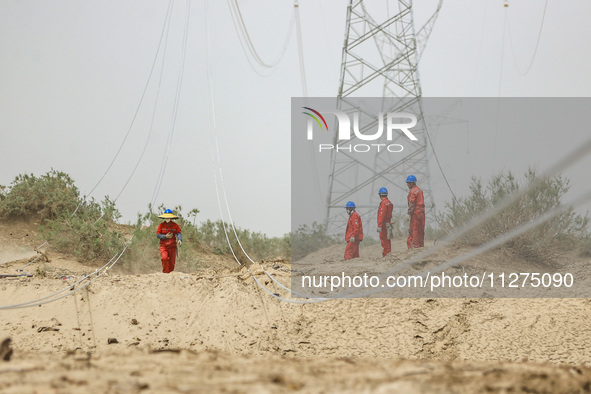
[{"x": 218, "y": 331}]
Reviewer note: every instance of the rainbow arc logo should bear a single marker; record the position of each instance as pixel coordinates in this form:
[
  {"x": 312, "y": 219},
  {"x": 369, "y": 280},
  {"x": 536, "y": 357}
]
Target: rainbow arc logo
[{"x": 315, "y": 118}]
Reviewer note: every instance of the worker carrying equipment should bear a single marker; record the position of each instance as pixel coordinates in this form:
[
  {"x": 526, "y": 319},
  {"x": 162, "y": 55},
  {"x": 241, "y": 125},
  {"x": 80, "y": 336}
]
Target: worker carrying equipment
[
  {"x": 354, "y": 232},
  {"x": 384, "y": 219},
  {"x": 416, "y": 212},
  {"x": 169, "y": 234}
]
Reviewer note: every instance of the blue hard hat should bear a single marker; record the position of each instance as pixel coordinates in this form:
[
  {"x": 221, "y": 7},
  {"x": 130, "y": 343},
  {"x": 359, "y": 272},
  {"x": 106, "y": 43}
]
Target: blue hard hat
[
  {"x": 168, "y": 211},
  {"x": 350, "y": 204},
  {"x": 383, "y": 190},
  {"x": 411, "y": 178}
]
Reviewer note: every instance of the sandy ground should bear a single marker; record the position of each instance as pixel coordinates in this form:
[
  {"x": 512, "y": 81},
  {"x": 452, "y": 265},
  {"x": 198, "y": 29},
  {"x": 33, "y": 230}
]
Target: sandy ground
[{"x": 218, "y": 331}]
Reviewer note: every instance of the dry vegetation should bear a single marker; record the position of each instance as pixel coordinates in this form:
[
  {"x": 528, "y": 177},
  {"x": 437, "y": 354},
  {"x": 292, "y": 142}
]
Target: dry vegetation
[
  {"x": 547, "y": 241},
  {"x": 89, "y": 230}
]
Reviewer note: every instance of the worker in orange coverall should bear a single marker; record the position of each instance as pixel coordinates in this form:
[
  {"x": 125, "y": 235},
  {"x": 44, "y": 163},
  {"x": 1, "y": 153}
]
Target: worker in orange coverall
[
  {"x": 384, "y": 218},
  {"x": 354, "y": 232},
  {"x": 169, "y": 234},
  {"x": 416, "y": 211}
]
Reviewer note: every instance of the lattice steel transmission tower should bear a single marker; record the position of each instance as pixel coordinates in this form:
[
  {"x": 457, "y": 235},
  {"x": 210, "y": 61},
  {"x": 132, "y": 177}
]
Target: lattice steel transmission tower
[{"x": 379, "y": 59}]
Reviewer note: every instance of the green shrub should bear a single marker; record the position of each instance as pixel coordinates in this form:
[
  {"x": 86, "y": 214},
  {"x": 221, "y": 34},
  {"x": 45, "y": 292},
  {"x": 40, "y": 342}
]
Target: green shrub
[
  {"x": 198, "y": 239},
  {"x": 89, "y": 235},
  {"x": 542, "y": 243},
  {"x": 257, "y": 245},
  {"x": 53, "y": 198},
  {"x": 92, "y": 232},
  {"x": 44, "y": 197},
  {"x": 306, "y": 240}
]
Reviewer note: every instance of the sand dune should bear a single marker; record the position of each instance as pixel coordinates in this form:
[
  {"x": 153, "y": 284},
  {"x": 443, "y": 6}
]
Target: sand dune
[{"x": 217, "y": 330}]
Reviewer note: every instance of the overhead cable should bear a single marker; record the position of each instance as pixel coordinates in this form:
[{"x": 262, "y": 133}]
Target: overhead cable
[
  {"x": 536, "y": 48},
  {"x": 214, "y": 147},
  {"x": 175, "y": 108},
  {"x": 296, "y": 8},
  {"x": 247, "y": 44},
  {"x": 165, "y": 28},
  {"x": 138, "y": 106}
]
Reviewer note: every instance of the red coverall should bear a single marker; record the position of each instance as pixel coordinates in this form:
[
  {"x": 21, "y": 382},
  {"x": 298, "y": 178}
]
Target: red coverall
[
  {"x": 354, "y": 229},
  {"x": 384, "y": 218},
  {"x": 416, "y": 210},
  {"x": 168, "y": 245}
]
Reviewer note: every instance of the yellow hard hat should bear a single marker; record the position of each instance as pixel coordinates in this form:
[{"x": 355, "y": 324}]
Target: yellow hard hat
[{"x": 168, "y": 215}]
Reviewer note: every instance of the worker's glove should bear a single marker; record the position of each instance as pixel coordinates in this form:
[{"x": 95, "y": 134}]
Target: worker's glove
[
  {"x": 179, "y": 242},
  {"x": 352, "y": 240},
  {"x": 169, "y": 235},
  {"x": 379, "y": 229}
]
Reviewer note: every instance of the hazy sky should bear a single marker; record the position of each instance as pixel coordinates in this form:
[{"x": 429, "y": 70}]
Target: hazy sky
[
  {"x": 488, "y": 135},
  {"x": 72, "y": 75}
]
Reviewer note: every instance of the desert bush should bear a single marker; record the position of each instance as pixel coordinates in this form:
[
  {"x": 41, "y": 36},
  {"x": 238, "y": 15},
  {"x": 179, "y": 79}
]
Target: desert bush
[
  {"x": 542, "y": 243},
  {"x": 307, "y": 239},
  {"x": 89, "y": 235},
  {"x": 92, "y": 233},
  {"x": 44, "y": 197},
  {"x": 52, "y": 198},
  {"x": 206, "y": 237},
  {"x": 257, "y": 245}
]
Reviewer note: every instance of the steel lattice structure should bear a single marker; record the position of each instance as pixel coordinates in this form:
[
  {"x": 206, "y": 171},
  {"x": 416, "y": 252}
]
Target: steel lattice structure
[{"x": 379, "y": 58}]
